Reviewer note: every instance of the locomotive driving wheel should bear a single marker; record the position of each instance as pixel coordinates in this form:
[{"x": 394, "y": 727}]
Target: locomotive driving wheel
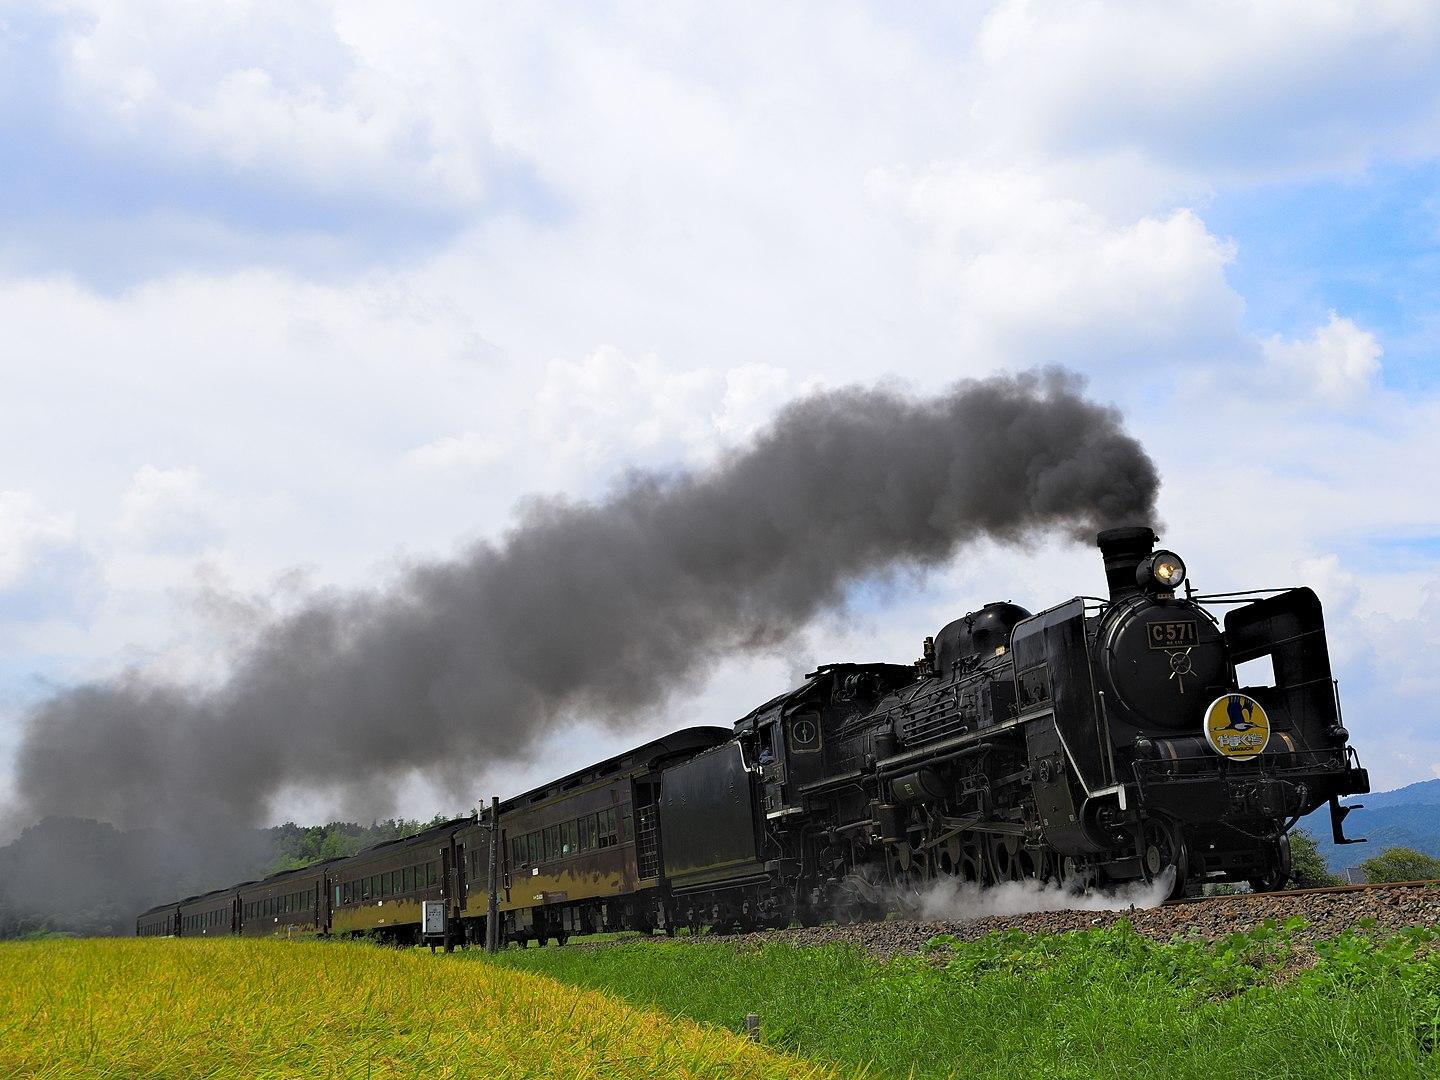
[
  {"x": 1277, "y": 870},
  {"x": 1164, "y": 858}
]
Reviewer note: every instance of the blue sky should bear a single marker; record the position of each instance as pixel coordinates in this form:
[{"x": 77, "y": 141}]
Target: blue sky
[
  {"x": 1367, "y": 245},
  {"x": 295, "y": 292}
]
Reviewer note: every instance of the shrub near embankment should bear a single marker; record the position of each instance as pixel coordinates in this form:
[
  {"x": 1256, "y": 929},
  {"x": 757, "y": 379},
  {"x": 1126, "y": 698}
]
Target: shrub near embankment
[{"x": 221, "y": 1009}]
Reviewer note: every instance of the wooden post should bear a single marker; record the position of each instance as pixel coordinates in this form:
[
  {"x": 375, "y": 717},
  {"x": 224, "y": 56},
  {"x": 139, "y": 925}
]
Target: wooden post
[{"x": 492, "y": 913}]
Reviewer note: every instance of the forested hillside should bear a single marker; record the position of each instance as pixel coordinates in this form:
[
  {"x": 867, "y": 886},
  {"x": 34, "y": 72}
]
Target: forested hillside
[{"x": 1406, "y": 817}]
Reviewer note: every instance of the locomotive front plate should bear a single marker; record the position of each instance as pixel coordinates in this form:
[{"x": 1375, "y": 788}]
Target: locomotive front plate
[{"x": 1173, "y": 634}]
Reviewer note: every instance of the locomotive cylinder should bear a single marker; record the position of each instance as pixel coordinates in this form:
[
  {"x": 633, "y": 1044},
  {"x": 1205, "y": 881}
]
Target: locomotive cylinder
[{"x": 923, "y": 785}]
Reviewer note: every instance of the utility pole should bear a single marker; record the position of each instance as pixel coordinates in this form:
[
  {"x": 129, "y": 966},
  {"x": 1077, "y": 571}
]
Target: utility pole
[
  {"x": 447, "y": 891},
  {"x": 492, "y": 914}
]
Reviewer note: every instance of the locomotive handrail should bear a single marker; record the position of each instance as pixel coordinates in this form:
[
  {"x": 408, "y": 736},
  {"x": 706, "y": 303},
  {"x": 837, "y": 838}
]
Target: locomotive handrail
[
  {"x": 1213, "y": 766},
  {"x": 1241, "y": 593},
  {"x": 932, "y": 754},
  {"x": 838, "y": 780}
]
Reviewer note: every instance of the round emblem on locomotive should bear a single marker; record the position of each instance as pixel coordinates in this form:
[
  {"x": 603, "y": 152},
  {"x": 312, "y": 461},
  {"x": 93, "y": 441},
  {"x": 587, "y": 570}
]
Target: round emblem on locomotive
[{"x": 1237, "y": 727}]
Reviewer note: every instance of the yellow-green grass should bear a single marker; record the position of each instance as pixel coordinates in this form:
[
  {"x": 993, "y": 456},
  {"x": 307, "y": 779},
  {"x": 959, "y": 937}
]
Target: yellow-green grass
[{"x": 257, "y": 1009}]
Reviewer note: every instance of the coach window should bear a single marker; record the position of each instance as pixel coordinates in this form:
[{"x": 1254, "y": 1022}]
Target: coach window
[
  {"x": 607, "y": 829},
  {"x": 532, "y": 845},
  {"x": 585, "y": 827},
  {"x": 552, "y": 842},
  {"x": 568, "y": 845},
  {"x": 430, "y": 873}
]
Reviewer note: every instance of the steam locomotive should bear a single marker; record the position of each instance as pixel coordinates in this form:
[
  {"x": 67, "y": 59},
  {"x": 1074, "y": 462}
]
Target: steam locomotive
[{"x": 1101, "y": 741}]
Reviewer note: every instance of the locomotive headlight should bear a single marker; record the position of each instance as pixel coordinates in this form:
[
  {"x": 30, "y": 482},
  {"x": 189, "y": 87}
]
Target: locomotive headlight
[{"x": 1164, "y": 569}]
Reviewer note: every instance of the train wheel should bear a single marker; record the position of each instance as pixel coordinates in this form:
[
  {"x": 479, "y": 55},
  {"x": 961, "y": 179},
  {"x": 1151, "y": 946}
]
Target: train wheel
[
  {"x": 1277, "y": 874},
  {"x": 1165, "y": 860},
  {"x": 857, "y": 898}
]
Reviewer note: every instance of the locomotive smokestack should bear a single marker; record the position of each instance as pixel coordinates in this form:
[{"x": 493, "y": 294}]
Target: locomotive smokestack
[{"x": 1123, "y": 549}]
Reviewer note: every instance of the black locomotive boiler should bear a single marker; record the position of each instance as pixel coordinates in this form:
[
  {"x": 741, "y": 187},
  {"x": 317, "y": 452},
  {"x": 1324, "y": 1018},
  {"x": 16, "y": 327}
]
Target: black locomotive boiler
[{"x": 1152, "y": 735}]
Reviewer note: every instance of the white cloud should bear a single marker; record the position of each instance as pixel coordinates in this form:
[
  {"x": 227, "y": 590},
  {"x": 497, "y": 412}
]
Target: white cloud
[
  {"x": 1232, "y": 91},
  {"x": 299, "y": 92},
  {"x": 843, "y": 195},
  {"x": 168, "y": 509},
  {"x": 1034, "y": 272},
  {"x": 468, "y": 450},
  {"x": 29, "y": 534},
  {"x": 611, "y": 407},
  {"x": 610, "y": 411},
  {"x": 1337, "y": 363},
  {"x": 46, "y": 571}
]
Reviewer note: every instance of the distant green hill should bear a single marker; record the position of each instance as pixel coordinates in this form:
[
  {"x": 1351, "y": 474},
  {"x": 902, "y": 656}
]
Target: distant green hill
[{"x": 1406, "y": 817}]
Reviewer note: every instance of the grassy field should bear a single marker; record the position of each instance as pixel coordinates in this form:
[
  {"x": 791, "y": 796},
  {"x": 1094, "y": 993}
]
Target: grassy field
[
  {"x": 1106, "y": 1003},
  {"x": 1097, "y": 1004},
  {"x": 220, "y": 1009}
]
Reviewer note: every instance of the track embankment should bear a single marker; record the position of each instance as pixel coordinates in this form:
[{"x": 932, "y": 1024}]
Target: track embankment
[{"x": 1378, "y": 909}]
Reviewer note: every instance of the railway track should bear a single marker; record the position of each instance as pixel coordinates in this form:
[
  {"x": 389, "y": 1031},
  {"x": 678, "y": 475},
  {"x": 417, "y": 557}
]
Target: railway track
[
  {"x": 1325, "y": 912},
  {"x": 1322, "y": 890}
]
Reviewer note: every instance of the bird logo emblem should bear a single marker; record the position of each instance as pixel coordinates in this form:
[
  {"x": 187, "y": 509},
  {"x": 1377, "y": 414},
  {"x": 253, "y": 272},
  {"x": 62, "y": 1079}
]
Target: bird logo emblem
[{"x": 1237, "y": 727}]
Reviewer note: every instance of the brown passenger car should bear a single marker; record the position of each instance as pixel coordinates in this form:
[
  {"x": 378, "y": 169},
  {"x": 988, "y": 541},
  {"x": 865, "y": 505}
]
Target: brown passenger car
[
  {"x": 582, "y": 854},
  {"x": 380, "y": 890},
  {"x": 163, "y": 920},
  {"x": 213, "y": 914},
  {"x": 578, "y": 855},
  {"x": 287, "y": 904}
]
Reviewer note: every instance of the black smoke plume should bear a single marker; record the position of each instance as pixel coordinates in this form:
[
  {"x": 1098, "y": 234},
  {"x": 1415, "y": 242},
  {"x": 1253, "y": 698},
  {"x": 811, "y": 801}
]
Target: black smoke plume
[{"x": 600, "y": 610}]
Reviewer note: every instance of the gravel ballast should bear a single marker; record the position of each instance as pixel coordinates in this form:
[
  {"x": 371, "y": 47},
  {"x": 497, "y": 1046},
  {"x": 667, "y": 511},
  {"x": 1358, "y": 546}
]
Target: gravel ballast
[{"x": 1326, "y": 914}]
